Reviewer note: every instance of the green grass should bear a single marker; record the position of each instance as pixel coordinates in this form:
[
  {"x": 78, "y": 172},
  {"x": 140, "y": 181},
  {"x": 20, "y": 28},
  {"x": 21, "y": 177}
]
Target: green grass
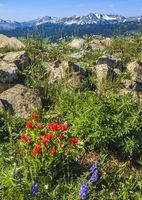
[{"x": 128, "y": 48}]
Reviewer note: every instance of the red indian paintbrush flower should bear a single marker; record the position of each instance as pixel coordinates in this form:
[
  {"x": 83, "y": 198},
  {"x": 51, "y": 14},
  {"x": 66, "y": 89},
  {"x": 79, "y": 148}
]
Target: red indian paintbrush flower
[
  {"x": 63, "y": 127},
  {"x": 52, "y": 150},
  {"x": 34, "y": 115},
  {"x": 53, "y": 126},
  {"x": 39, "y": 125},
  {"x": 28, "y": 140},
  {"x": 36, "y": 150},
  {"x": 45, "y": 138},
  {"x": 73, "y": 141},
  {"x": 49, "y": 136},
  {"x": 23, "y": 136},
  {"x": 29, "y": 124}
]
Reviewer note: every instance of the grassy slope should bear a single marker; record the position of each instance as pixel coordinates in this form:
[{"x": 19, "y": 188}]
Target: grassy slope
[{"x": 109, "y": 127}]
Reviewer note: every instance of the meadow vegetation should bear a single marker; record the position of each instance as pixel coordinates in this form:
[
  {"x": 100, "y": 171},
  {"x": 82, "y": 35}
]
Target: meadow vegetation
[{"x": 81, "y": 145}]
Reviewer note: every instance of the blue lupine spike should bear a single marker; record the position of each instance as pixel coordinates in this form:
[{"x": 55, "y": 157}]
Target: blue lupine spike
[
  {"x": 35, "y": 188},
  {"x": 94, "y": 177},
  {"x": 83, "y": 190},
  {"x": 94, "y": 167}
]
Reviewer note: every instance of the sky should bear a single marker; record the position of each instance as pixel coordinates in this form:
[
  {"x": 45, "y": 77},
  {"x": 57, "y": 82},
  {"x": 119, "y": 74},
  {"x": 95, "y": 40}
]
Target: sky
[{"x": 24, "y": 10}]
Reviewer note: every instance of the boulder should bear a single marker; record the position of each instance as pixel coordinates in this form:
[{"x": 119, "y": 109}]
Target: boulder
[
  {"x": 125, "y": 87},
  {"x": 137, "y": 97},
  {"x": 19, "y": 58},
  {"x": 111, "y": 62},
  {"x": 9, "y": 64},
  {"x": 106, "y": 42},
  {"x": 104, "y": 73},
  {"x": 126, "y": 84},
  {"x": 137, "y": 87},
  {"x": 77, "y": 43},
  {"x": 98, "y": 44},
  {"x": 95, "y": 45},
  {"x": 1, "y": 109},
  {"x": 19, "y": 100},
  {"x": 8, "y": 74},
  {"x": 10, "y": 43},
  {"x": 135, "y": 69},
  {"x": 66, "y": 72},
  {"x": 125, "y": 91}
]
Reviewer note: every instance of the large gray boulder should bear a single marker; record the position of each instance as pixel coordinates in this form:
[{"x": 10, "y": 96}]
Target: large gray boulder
[
  {"x": 10, "y": 43},
  {"x": 66, "y": 72},
  {"x": 137, "y": 87},
  {"x": 135, "y": 69},
  {"x": 111, "y": 61},
  {"x": 126, "y": 84},
  {"x": 8, "y": 72},
  {"x": 98, "y": 44},
  {"x": 77, "y": 43},
  {"x": 19, "y": 58},
  {"x": 19, "y": 100},
  {"x": 9, "y": 64},
  {"x": 103, "y": 73},
  {"x": 125, "y": 87}
]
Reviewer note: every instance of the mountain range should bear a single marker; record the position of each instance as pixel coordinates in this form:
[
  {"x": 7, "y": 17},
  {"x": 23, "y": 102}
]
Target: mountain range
[
  {"x": 74, "y": 20},
  {"x": 56, "y": 28}
]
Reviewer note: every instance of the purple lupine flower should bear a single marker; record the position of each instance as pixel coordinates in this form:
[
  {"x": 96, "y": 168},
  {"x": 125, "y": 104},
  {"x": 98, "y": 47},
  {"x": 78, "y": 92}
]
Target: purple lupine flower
[
  {"x": 94, "y": 176},
  {"x": 35, "y": 188},
  {"x": 94, "y": 167},
  {"x": 83, "y": 190}
]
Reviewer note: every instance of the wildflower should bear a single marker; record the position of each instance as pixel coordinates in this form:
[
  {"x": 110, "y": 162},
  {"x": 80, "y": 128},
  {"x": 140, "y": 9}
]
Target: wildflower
[
  {"x": 49, "y": 136},
  {"x": 35, "y": 188},
  {"x": 45, "y": 138},
  {"x": 52, "y": 150},
  {"x": 39, "y": 125},
  {"x": 93, "y": 168},
  {"x": 36, "y": 150},
  {"x": 94, "y": 177},
  {"x": 73, "y": 141},
  {"x": 29, "y": 124},
  {"x": 34, "y": 115},
  {"x": 29, "y": 140},
  {"x": 53, "y": 126},
  {"x": 83, "y": 190},
  {"x": 23, "y": 137},
  {"x": 46, "y": 187},
  {"x": 63, "y": 127}
]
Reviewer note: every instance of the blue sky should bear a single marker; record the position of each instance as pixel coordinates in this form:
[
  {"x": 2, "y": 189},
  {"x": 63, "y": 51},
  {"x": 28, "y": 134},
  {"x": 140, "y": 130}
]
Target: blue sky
[{"x": 30, "y": 9}]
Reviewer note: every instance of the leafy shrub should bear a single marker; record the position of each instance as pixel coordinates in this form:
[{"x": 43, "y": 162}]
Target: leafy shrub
[{"x": 110, "y": 123}]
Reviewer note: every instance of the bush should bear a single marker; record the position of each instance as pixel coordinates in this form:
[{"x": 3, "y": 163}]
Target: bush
[{"x": 111, "y": 123}]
